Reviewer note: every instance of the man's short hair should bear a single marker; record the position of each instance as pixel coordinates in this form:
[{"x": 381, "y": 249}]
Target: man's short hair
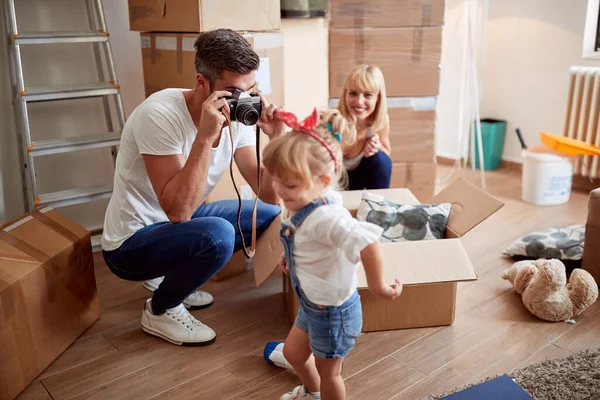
[{"x": 224, "y": 49}]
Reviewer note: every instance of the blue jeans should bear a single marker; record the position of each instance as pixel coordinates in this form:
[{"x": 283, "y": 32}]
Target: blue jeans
[
  {"x": 332, "y": 331},
  {"x": 187, "y": 254},
  {"x": 373, "y": 172}
]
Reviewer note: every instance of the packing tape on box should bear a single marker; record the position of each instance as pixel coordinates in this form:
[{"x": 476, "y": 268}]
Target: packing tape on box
[
  {"x": 84, "y": 257},
  {"x": 180, "y": 53},
  {"x": 426, "y": 14},
  {"x": 357, "y": 11},
  {"x": 153, "y": 50},
  {"x": 16, "y": 316},
  {"x": 362, "y": 44},
  {"x": 417, "y": 45},
  {"x": 417, "y": 48},
  {"x": 179, "y": 44},
  {"x": 265, "y": 41},
  {"x": 41, "y": 216}
]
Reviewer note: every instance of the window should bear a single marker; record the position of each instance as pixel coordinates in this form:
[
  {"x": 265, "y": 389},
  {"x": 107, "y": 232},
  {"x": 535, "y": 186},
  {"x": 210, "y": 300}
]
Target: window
[{"x": 591, "y": 34}]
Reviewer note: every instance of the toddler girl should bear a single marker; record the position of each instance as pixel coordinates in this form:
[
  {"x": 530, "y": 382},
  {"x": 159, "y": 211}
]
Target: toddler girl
[
  {"x": 323, "y": 246},
  {"x": 363, "y": 101}
]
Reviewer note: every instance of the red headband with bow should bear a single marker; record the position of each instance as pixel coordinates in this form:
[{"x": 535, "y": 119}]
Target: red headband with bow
[{"x": 307, "y": 126}]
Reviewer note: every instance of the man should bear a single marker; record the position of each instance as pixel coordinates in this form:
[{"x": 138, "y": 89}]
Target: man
[{"x": 174, "y": 149}]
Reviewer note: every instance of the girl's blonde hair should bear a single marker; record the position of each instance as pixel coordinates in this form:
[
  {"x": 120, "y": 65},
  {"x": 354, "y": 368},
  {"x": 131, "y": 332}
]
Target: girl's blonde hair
[
  {"x": 297, "y": 155},
  {"x": 367, "y": 78}
]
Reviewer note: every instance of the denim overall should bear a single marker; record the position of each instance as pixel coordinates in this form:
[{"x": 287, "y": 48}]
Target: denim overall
[{"x": 331, "y": 330}]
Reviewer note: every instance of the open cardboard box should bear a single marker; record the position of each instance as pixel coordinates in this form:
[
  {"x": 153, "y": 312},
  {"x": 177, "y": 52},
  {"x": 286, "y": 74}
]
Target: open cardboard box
[
  {"x": 265, "y": 260},
  {"x": 429, "y": 270}
]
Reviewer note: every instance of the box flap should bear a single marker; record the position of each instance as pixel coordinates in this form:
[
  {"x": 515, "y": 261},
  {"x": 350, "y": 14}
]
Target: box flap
[
  {"x": 428, "y": 261},
  {"x": 470, "y": 206},
  {"x": 352, "y": 198},
  {"x": 268, "y": 252}
]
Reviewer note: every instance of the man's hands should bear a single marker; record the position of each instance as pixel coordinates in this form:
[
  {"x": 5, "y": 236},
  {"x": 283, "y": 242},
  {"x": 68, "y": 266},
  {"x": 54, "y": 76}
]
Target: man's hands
[
  {"x": 269, "y": 123},
  {"x": 212, "y": 118}
]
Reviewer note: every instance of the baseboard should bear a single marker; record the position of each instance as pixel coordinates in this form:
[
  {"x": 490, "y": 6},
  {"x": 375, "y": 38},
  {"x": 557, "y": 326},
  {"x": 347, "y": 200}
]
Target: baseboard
[
  {"x": 513, "y": 165},
  {"x": 445, "y": 160},
  {"x": 584, "y": 184},
  {"x": 506, "y": 164}
]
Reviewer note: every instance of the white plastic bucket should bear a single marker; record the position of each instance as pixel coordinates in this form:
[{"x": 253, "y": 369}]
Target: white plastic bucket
[{"x": 547, "y": 178}]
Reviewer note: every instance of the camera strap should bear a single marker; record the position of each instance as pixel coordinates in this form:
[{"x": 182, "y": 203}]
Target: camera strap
[{"x": 249, "y": 253}]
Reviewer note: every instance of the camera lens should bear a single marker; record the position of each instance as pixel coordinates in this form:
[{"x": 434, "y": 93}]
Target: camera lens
[{"x": 246, "y": 114}]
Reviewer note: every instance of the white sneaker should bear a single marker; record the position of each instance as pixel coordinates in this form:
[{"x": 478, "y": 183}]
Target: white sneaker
[
  {"x": 177, "y": 326},
  {"x": 194, "y": 301},
  {"x": 300, "y": 392}
]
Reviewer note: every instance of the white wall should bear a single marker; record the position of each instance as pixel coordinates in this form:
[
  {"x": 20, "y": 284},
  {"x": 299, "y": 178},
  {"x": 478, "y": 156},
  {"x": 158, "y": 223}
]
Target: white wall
[
  {"x": 529, "y": 47},
  {"x": 448, "y": 106},
  {"x": 306, "y": 77}
]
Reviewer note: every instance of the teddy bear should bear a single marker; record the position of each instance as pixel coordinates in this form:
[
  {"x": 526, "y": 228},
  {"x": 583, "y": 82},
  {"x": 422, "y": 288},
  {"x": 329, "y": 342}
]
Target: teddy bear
[{"x": 545, "y": 292}]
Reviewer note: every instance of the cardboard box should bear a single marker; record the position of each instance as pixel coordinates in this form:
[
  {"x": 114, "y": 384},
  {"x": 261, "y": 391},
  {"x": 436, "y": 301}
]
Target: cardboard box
[
  {"x": 591, "y": 250},
  {"x": 203, "y": 15},
  {"x": 420, "y": 178},
  {"x": 412, "y": 128},
  {"x": 408, "y": 57},
  {"x": 265, "y": 261},
  {"x": 386, "y": 13},
  {"x": 48, "y": 294},
  {"x": 429, "y": 270},
  {"x": 168, "y": 62}
]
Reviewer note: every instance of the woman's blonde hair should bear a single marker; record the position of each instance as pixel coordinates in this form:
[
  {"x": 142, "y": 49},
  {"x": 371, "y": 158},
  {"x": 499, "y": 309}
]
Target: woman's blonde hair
[
  {"x": 367, "y": 78},
  {"x": 297, "y": 155}
]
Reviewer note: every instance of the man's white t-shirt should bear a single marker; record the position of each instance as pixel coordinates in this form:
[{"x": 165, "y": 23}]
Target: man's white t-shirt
[{"x": 161, "y": 125}]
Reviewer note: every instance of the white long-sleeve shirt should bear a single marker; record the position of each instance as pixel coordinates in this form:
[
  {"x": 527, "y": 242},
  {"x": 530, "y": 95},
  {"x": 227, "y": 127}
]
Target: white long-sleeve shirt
[{"x": 326, "y": 251}]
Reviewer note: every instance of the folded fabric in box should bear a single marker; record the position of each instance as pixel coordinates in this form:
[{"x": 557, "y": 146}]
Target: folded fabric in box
[
  {"x": 404, "y": 222},
  {"x": 565, "y": 244}
]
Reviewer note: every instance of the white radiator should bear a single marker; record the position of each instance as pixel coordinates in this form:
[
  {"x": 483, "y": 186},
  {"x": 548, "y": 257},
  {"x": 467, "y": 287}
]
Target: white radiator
[{"x": 581, "y": 119}]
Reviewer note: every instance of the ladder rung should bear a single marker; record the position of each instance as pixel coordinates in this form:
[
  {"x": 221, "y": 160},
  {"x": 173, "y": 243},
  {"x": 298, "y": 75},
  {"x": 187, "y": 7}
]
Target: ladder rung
[
  {"x": 60, "y": 37},
  {"x": 70, "y": 92},
  {"x": 55, "y": 146},
  {"x": 75, "y": 196}
]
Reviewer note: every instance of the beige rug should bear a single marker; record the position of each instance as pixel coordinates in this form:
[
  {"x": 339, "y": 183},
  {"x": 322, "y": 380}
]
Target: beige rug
[{"x": 576, "y": 377}]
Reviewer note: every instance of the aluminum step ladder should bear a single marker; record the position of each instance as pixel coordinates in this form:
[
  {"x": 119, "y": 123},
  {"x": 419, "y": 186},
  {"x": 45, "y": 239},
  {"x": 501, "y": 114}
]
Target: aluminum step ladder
[{"x": 23, "y": 95}]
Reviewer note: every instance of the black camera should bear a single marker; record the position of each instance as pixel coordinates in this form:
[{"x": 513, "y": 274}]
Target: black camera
[{"x": 244, "y": 107}]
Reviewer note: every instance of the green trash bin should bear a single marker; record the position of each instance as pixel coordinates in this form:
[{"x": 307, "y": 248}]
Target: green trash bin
[
  {"x": 493, "y": 132},
  {"x": 295, "y": 9}
]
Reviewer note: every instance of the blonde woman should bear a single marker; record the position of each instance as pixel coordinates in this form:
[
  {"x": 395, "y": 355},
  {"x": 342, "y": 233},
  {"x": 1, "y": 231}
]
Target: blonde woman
[{"x": 363, "y": 102}]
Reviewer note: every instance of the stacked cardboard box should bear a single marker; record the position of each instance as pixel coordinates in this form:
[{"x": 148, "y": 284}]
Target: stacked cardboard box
[
  {"x": 404, "y": 39},
  {"x": 169, "y": 29}
]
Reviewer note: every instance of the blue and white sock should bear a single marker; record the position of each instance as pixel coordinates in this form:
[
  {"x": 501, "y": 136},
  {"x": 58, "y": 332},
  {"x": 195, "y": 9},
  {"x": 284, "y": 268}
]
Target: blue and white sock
[{"x": 273, "y": 354}]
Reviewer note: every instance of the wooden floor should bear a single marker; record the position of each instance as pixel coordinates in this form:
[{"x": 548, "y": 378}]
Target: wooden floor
[{"x": 493, "y": 332}]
